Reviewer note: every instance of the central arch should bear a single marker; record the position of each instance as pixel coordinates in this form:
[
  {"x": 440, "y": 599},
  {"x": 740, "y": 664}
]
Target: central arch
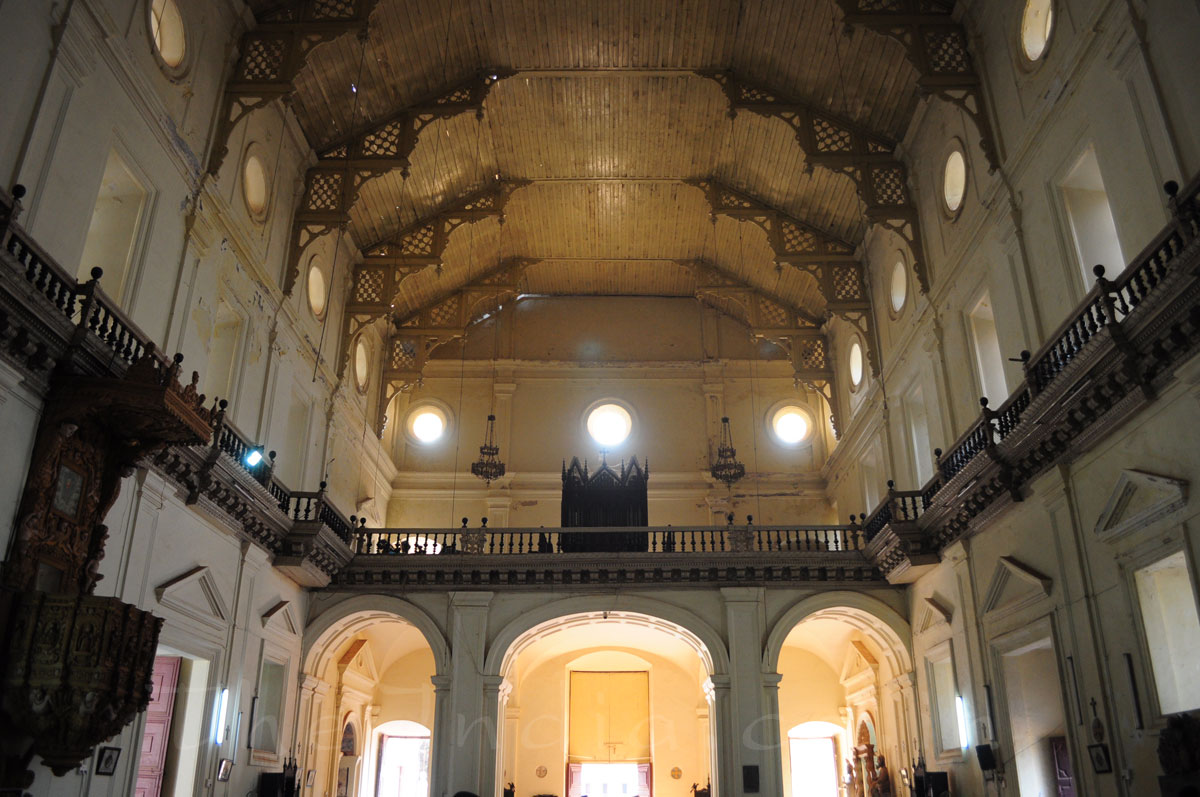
[{"x": 647, "y": 666}]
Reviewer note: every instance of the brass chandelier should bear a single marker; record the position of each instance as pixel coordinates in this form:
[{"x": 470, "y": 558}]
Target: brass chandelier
[
  {"x": 727, "y": 469},
  {"x": 489, "y": 467}
]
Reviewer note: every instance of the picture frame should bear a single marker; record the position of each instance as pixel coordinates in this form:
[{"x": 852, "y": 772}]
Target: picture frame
[
  {"x": 106, "y": 760},
  {"x": 1101, "y": 763},
  {"x": 224, "y": 769},
  {"x": 310, "y": 779}
]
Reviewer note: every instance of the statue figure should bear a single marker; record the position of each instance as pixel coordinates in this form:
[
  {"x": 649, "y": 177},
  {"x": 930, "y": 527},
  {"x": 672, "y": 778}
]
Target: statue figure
[{"x": 881, "y": 786}]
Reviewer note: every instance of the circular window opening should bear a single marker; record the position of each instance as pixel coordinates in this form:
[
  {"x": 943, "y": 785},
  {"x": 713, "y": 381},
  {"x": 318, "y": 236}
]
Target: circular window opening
[
  {"x": 254, "y": 185},
  {"x": 166, "y": 29},
  {"x": 1036, "y": 24},
  {"x": 609, "y": 424},
  {"x": 899, "y": 285},
  {"x": 316, "y": 289},
  {"x": 427, "y": 424},
  {"x": 954, "y": 181},
  {"x": 791, "y": 424},
  {"x": 856, "y": 364},
  {"x": 361, "y": 361}
]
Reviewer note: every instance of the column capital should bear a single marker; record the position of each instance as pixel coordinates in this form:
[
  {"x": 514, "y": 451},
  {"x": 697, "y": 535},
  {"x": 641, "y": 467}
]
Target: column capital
[
  {"x": 472, "y": 600},
  {"x": 441, "y": 683},
  {"x": 771, "y": 680},
  {"x": 742, "y": 594}
]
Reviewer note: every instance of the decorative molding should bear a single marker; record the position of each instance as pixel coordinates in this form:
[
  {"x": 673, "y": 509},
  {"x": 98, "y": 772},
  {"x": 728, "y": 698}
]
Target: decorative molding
[
  {"x": 935, "y": 614},
  {"x": 1139, "y": 499},
  {"x": 211, "y": 611},
  {"x": 281, "y": 613},
  {"x": 1002, "y": 601}
]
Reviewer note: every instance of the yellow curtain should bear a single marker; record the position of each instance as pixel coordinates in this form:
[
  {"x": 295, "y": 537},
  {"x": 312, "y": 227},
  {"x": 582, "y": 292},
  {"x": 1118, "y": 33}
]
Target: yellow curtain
[{"x": 610, "y": 716}]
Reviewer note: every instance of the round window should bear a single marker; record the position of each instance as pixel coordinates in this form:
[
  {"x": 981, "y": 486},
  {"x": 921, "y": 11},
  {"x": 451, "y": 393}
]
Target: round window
[
  {"x": 609, "y": 424},
  {"x": 954, "y": 180},
  {"x": 856, "y": 364},
  {"x": 1036, "y": 24},
  {"x": 254, "y": 186},
  {"x": 899, "y": 285},
  {"x": 316, "y": 289},
  {"x": 427, "y": 423},
  {"x": 791, "y": 424},
  {"x": 166, "y": 29},
  {"x": 362, "y": 361}
]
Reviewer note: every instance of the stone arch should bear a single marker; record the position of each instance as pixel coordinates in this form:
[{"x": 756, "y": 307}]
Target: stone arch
[
  {"x": 874, "y": 617},
  {"x": 346, "y": 616},
  {"x": 708, "y": 643}
]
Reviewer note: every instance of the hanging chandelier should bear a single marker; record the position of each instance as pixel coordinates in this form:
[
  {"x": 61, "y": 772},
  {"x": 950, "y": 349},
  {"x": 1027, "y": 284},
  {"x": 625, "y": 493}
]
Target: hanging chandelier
[
  {"x": 727, "y": 469},
  {"x": 489, "y": 467}
]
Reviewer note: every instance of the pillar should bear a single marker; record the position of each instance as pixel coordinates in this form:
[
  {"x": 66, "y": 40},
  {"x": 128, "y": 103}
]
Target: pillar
[
  {"x": 770, "y": 732},
  {"x": 466, "y": 759},
  {"x": 745, "y": 720},
  {"x": 439, "y": 737}
]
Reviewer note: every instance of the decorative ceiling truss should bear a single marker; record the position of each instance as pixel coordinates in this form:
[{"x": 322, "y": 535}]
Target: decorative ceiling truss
[
  {"x": 376, "y": 284},
  {"x": 827, "y": 259},
  {"x": 771, "y": 318},
  {"x": 271, "y": 55},
  {"x": 331, "y": 187},
  {"x": 413, "y": 337},
  {"x": 844, "y": 147},
  {"x": 938, "y": 47}
]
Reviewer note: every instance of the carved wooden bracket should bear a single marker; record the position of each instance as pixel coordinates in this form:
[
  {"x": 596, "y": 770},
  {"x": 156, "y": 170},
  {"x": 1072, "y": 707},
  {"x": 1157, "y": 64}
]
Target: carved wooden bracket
[
  {"x": 271, "y": 55},
  {"x": 415, "y": 336},
  {"x": 332, "y": 186},
  {"x": 845, "y": 147},
  {"x": 829, "y": 260},
  {"x": 938, "y": 47},
  {"x": 377, "y": 279}
]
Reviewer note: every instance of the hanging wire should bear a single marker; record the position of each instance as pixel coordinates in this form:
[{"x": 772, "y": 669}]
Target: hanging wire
[
  {"x": 753, "y": 399},
  {"x": 362, "y": 58}
]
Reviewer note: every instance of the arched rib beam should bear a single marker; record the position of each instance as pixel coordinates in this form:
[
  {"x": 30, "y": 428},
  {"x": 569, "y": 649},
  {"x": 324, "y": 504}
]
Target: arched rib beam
[
  {"x": 844, "y": 147},
  {"x": 273, "y": 53},
  {"x": 332, "y": 186}
]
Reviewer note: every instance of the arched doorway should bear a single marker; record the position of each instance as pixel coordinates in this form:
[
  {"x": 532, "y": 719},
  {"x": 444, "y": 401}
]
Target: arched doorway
[
  {"x": 607, "y": 702},
  {"x": 368, "y": 677},
  {"x": 845, "y": 690}
]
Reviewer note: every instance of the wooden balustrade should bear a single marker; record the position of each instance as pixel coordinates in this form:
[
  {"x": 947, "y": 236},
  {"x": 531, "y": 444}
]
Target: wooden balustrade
[{"x": 659, "y": 540}]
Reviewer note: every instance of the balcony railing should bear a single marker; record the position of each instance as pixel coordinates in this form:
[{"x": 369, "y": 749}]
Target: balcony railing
[
  {"x": 643, "y": 540},
  {"x": 1100, "y": 331}
]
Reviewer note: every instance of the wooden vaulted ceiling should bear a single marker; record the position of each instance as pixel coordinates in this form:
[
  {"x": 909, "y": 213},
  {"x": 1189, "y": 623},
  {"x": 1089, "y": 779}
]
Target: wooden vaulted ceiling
[{"x": 600, "y": 106}]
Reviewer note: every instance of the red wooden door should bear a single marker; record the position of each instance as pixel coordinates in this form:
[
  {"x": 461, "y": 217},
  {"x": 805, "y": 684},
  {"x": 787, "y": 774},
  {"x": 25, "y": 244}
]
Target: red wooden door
[{"x": 158, "y": 727}]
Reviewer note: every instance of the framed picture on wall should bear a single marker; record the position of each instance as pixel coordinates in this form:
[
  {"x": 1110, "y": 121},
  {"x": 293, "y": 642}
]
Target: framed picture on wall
[
  {"x": 1101, "y": 763},
  {"x": 106, "y": 760},
  {"x": 224, "y": 768},
  {"x": 310, "y": 779}
]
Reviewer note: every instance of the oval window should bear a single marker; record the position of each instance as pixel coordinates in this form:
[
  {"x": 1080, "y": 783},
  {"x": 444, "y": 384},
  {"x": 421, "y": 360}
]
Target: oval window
[
  {"x": 362, "y": 361},
  {"x": 899, "y": 285},
  {"x": 427, "y": 424},
  {"x": 954, "y": 180},
  {"x": 316, "y": 289},
  {"x": 1036, "y": 24},
  {"x": 166, "y": 29},
  {"x": 790, "y": 424},
  {"x": 609, "y": 424},
  {"x": 856, "y": 364},
  {"x": 254, "y": 185}
]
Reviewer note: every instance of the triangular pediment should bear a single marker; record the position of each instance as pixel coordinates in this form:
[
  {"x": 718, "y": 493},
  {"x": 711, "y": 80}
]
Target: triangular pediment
[
  {"x": 281, "y": 618},
  {"x": 1138, "y": 499},
  {"x": 859, "y": 662},
  {"x": 936, "y": 612},
  {"x": 357, "y": 664},
  {"x": 1015, "y": 585},
  {"x": 194, "y": 594}
]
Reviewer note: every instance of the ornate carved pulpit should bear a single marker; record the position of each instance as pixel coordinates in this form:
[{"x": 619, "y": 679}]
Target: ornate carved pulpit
[
  {"x": 77, "y": 666},
  {"x": 605, "y": 498}
]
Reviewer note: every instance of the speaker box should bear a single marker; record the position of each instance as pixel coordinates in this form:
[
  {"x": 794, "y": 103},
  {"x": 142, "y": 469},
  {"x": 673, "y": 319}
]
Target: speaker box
[
  {"x": 987, "y": 758},
  {"x": 750, "y": 779}
]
